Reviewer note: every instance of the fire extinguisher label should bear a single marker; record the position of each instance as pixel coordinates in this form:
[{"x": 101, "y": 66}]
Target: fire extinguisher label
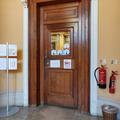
[
  {"x": 112, "y": 87},
  {"x": 113, "y": 84},
  {"x": 102, "y": 77}
]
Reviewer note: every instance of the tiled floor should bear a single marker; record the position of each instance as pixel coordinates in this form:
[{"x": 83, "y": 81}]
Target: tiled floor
[{"x": 49, "y": 113}]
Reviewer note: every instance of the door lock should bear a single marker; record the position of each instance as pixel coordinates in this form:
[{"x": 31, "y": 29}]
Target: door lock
[{"x": 47, "y": 61}]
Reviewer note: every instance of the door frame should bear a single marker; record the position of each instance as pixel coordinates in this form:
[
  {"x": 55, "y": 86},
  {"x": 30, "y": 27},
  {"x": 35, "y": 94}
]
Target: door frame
[{"x": 36, "y": 59}]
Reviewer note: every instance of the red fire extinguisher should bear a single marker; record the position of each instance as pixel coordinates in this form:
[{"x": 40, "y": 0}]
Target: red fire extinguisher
[
  {"x": 112, "y": 82},
  {"x": 101, "y": 81}
]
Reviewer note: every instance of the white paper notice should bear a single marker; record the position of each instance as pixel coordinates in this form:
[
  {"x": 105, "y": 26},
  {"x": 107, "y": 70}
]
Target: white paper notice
[
  {"x": 3, "y": 64},
  {"x": 55, "y": 63},
  {"x": 3, "y": 50},
  {"x": 67, "y": 63},
  {"x": 12, "y": 63},
  {"x": 12, "y": 50}
]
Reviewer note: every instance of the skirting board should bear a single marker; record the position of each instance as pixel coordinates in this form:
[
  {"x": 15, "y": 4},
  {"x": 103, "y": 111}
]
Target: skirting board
[
  {"x": 102, "y": 101},
  {"x": 15, "y": 98}
]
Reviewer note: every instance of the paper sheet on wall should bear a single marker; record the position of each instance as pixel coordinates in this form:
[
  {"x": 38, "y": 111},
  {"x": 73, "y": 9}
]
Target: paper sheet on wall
[
  {"x": 12, "y": 50},
  {"x": 12, "y": 63},
  {"x": 3, "y": 50},
  {"x": 3, "y": 64}
]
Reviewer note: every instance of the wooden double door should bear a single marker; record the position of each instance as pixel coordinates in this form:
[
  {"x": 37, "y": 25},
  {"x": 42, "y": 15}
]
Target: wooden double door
[{"x": 59, "y": 53}]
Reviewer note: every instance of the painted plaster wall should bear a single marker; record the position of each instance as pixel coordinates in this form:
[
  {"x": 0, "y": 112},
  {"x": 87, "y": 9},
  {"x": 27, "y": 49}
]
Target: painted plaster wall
[
  {"x": 11, "y": 22},
  {"x": 109, "y": 43}
]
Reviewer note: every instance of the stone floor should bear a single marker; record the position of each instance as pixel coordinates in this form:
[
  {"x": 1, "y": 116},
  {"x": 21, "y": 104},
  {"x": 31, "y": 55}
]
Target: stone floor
[{"x": 49, "y": 113}]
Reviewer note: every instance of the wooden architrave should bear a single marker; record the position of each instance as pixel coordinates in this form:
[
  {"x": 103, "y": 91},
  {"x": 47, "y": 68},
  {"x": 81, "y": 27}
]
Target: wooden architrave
[{"x": 36, "y": 56}]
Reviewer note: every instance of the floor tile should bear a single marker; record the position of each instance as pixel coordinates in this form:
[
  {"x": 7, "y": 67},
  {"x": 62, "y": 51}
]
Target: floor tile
[{"x": 50, "y": 113}]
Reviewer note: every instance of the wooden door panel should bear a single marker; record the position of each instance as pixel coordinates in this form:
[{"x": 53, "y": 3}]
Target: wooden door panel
[
  {"x": 66, "y": 12},
  {"x": 63, "y": 14},
  {"x": 60, "y": 82},
  {"x": 60, "y": 87}
]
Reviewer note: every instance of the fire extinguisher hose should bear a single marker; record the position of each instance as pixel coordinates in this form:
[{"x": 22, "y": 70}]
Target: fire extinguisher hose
[{"x": 96, "y": 76}]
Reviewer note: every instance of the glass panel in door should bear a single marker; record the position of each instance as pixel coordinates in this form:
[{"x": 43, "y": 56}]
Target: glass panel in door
[{"x": 60, "y": 43}]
